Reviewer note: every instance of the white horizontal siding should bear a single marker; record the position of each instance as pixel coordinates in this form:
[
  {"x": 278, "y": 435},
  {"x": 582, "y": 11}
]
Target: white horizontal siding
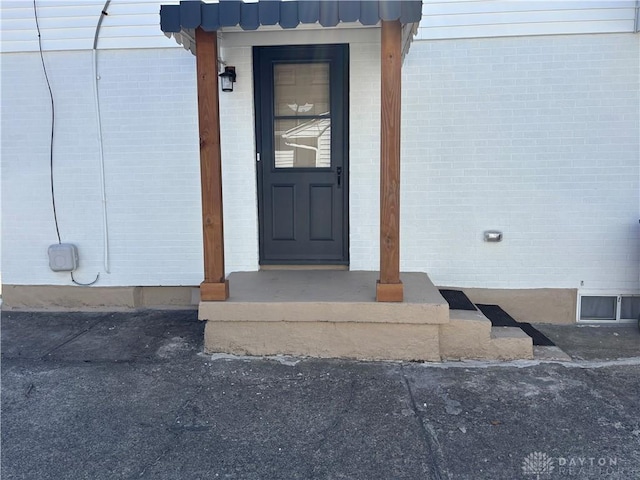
[
  {"x": 443, "y": 19},
  {"x": 71, "y": 25},
  {"x": 449, "y": 7}
]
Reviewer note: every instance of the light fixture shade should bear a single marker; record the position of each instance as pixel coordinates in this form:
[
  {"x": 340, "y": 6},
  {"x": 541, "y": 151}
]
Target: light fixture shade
[{"x": 227, "y": 79}]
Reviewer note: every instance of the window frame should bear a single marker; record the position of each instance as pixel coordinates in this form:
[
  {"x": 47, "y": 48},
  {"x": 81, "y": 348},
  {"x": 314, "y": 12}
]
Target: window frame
[{"x": 617, "y": 295}]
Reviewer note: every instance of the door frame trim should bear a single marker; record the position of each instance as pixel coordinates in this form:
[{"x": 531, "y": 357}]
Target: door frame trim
[{"x": 345, "y": 150}]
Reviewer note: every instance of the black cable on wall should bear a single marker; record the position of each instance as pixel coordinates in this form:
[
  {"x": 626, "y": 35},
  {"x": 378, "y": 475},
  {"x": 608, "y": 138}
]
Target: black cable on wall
[{"x": 53, "y": 123}]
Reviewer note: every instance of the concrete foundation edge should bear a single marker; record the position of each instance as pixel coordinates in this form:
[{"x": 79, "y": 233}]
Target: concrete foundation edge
[
  {"x": 540, "y": 305},
  {"x": 556, "y": 306},
  {"x": 73, "y": 298}
]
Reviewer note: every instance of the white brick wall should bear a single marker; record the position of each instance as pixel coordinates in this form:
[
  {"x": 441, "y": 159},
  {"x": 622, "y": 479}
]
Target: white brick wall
[
  {"x": 150, "y": 131},
  {"x": 238, "y": 143},
  {"x": 239, "y": 186},
  {"x": 534, "y": 136},
  {"x": 365, "y": 157},
  {"x": 148, "y": 102}
]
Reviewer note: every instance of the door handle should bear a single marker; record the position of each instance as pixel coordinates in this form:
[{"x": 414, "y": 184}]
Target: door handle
[{"x": 339, "y": 173}]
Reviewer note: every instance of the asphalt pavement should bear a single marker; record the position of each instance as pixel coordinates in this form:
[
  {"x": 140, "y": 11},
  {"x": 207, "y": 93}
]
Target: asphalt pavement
[{"x": 132, "y": 396}]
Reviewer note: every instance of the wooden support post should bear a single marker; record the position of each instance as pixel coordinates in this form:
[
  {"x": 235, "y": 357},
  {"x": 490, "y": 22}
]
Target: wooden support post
[
  {"x": 215, "y": 285},
  {"x": 389, "y": 287}
]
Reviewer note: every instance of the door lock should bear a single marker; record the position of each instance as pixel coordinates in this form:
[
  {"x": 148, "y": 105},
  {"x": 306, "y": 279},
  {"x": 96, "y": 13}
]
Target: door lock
[{"x": 339, "y": 173}]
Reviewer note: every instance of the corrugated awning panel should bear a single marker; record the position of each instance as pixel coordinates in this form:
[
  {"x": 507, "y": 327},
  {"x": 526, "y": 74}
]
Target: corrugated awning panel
[{"x": 249, "y": 16}]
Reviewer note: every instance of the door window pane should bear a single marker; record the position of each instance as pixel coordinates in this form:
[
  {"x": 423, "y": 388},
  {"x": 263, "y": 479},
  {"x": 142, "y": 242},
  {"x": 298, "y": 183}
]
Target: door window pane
[
  {"x": 301, "y": 89},
  {"x": 630, "y": 308},
  {"x": 598, "y": 308},
  {"x": 302, "y": 143}
]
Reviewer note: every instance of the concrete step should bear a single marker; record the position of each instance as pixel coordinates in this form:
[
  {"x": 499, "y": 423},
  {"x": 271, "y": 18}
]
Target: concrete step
[
  {"x": 466, "y": 336},
  {"x": 511, "y": 343},
  {"x": 470, "y": 335}
]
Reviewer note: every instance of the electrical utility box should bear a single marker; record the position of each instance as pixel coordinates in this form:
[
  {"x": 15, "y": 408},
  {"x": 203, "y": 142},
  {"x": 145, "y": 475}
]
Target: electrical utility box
[{"x": 63, "y": 257}]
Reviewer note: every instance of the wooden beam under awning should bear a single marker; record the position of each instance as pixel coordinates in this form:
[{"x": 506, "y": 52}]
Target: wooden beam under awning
[
  {"x": 389, "y": 287},
  {"x": 215, "y": 285}
]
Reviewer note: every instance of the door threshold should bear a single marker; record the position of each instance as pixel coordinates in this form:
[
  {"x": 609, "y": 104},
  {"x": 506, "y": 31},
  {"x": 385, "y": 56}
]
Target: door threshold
[{"x": 304, "y": 267}]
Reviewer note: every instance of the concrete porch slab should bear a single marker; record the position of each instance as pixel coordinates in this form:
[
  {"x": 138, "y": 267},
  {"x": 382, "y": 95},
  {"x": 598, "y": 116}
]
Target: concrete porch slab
[
  {"x": 324, "y": 296},
  {"x": 323, "y": 313}
]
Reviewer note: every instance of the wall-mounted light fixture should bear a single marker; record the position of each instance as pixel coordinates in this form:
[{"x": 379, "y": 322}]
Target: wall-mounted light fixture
[
  {"x": 228, "y": 78},
  {"x": 492, "y": 236}
]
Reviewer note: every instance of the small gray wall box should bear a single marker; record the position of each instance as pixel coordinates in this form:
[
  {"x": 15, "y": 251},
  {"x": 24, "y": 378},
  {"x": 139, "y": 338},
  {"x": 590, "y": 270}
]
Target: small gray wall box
[{"x": 63, "y": 257}]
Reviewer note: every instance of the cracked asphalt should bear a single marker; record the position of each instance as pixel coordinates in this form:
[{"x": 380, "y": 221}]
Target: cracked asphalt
[{"x": 130, "y": 396}]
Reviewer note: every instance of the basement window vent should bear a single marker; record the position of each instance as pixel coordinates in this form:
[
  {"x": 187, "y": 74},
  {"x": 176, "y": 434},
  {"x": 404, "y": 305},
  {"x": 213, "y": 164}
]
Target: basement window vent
[{"x": 609, "y": 308}]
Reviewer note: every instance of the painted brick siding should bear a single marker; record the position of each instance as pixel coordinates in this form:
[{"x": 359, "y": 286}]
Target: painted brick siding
[
  {"x": 149, "y": 116},
  {"x": 150, "y": 132},
  {"x": 238, "y": 153},
  {"x": 535, "y": 136},
  {"x": 238, "y": 147},
  {"x": 239, "y": 186},
  {"x": 364, "y": 157}
]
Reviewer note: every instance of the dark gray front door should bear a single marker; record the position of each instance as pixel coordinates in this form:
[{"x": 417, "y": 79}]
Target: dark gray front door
[{"x": 301, "y": 129}]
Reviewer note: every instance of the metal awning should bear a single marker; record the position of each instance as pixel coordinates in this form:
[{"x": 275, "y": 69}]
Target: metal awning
[
  {"x": 181, "y": 21},
  {"x": 190, "y": 15}
]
